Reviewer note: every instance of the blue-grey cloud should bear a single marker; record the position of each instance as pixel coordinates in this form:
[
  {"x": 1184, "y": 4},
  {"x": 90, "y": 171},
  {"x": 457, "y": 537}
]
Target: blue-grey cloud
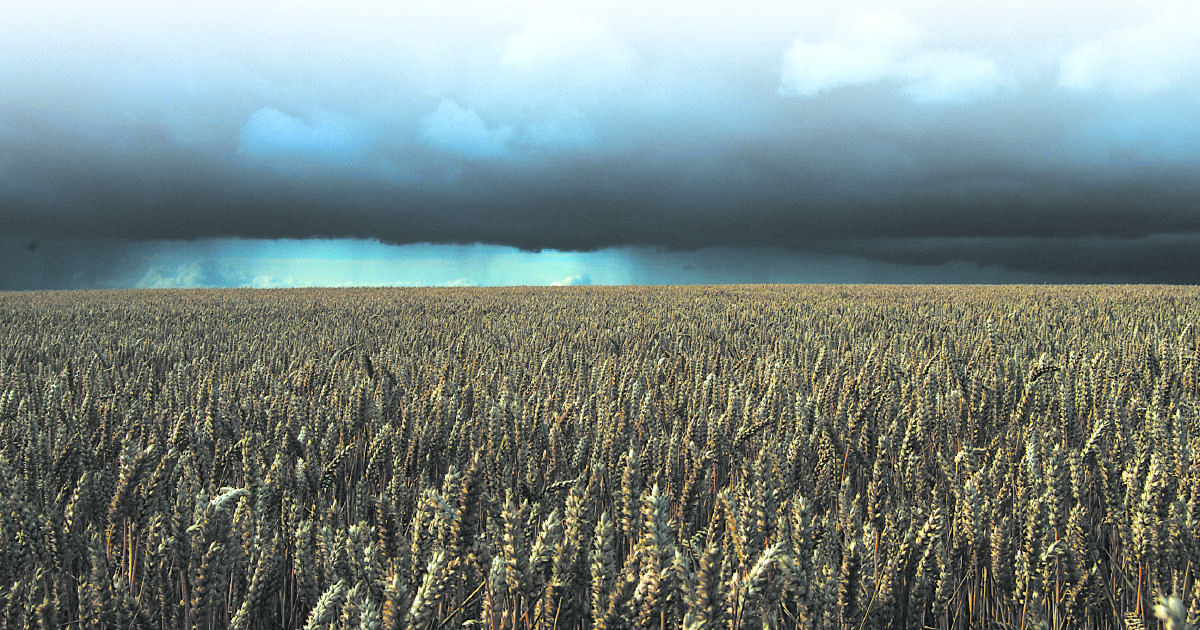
[
  {"x": 460, "y": 131},
  {"x": 291, "y": 145}
]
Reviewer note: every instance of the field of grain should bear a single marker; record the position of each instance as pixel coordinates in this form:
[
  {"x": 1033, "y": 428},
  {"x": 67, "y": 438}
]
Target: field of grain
[{"x": 701, "y": 457}]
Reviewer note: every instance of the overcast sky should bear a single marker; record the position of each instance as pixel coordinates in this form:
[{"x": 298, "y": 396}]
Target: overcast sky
[{"x": 478, "y": 143}]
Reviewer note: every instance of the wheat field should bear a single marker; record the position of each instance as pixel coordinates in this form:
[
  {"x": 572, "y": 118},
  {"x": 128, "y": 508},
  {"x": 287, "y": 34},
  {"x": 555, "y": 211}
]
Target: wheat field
[{"x": 675, "y": 457}]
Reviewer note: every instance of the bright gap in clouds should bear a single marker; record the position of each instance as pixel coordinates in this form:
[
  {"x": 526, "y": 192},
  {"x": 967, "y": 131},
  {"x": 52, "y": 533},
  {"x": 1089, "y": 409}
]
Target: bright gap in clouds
[
  {"x": 345, "y": 262},
  {"x": 230, "y": 263}
]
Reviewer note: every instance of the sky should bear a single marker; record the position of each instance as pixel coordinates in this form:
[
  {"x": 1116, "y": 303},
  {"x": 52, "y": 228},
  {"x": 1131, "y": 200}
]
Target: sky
[{"x": 462, "y": 143}]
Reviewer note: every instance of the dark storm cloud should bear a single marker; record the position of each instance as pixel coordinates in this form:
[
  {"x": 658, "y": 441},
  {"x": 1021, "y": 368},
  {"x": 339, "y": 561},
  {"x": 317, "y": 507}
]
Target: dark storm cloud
[
  {"x": 876, "y": 138},
  {"x": 857, "y": 195}
]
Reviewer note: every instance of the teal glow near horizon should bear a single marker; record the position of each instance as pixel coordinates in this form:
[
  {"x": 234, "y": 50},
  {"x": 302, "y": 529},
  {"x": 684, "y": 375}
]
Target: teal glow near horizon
[
  {"x": 352, "y": 263},
  {"x": 344, "y": 263}
]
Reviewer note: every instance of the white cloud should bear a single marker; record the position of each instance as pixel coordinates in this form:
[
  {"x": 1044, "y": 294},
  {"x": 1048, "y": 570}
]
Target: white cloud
[
  {"x": 946, "y": 76},
  {"x": 459, "y": 130},
  {"x": 567, "y": 51},
  {"x": 810, "y": 69},
  {"x": 865, "y": 49},
  {"x": 271, "y": 282},
  {"x": 185, "y": 276},
  {"x": 876, "y": 46},
  {"x": 576, "y": 280},
  {"x": 460, "y": 282},
  {"x": 1156, "y": 56}
]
